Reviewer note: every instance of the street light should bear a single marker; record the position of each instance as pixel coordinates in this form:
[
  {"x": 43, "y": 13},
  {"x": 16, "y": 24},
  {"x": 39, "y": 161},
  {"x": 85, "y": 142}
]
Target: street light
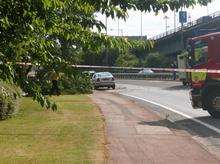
[
  {"x": 141, "y": 26},
  {"x": 118, "y": 29},
  {"x": 174, "y": 20},
  {"x": 166, "y": 26},
  {"x": 106, "y": 25},
  {"x": 118, "y": 26},
  {"x": 207, "y": 8},
  {"x": 189, "y": 19}
]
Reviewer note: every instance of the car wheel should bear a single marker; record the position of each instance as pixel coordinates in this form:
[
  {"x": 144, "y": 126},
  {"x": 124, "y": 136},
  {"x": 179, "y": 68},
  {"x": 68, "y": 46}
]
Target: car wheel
[
  {"x": 215, "y": 113},
  {"x": 113, "y": 87}
]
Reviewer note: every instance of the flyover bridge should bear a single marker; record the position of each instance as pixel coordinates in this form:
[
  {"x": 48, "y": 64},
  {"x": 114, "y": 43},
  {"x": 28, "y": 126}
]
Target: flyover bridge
[{"x": 174, "y": 41}]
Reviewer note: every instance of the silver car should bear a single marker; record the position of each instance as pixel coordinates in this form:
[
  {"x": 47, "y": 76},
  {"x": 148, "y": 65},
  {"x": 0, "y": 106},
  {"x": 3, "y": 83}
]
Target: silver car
[
  {"x": 146, "y": 71},
  {"x": 103, "y": 79}
]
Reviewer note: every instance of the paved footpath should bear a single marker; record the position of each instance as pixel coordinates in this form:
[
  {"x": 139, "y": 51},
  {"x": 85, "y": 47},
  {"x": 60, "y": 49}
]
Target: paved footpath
[{"x": 137, "y": 135}]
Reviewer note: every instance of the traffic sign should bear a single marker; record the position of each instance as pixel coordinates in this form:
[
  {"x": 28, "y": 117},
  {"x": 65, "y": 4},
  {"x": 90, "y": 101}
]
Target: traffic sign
[{"x": 182, "y": 16}]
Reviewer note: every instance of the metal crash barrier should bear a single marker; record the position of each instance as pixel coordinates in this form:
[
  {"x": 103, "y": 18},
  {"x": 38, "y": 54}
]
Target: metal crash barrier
[{"x": 154, "y": 76}]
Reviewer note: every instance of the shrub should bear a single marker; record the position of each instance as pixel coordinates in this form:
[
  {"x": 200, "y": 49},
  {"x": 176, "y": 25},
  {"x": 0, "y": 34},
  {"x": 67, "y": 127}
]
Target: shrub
[
  {"x": 71, "y": 82},
  {"x": 9, "y": 95},
  {"x": 76, "y": 83}
]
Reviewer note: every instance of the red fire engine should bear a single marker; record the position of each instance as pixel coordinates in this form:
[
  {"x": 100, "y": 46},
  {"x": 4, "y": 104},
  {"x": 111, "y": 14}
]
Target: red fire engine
[{"x": 204, "y": 53}]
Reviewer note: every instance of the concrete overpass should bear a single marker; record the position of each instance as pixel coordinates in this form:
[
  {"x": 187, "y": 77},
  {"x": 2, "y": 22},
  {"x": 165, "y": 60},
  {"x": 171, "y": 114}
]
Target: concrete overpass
[{"x": 174, "y": 41}]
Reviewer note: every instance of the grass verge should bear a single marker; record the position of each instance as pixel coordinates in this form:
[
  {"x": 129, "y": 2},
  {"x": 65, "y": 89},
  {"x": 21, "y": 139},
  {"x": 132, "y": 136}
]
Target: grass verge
[{"x": 73, "y": 134}]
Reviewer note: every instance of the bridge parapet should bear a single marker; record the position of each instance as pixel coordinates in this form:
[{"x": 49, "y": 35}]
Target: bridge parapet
[{"x": 198, "y": 22}]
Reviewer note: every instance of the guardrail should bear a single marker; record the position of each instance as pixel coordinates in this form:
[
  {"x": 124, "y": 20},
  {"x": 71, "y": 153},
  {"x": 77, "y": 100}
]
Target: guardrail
[
  {"x": 186, "y": 26},
  {"x": 138, "y": 76}
]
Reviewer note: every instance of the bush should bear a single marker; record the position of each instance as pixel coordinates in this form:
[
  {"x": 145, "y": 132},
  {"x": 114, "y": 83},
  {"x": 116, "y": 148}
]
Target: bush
[
  {"x": 9, "y": 95},
  {"x": 76, "y": 83},
  {"x": 70, "y": 82}
]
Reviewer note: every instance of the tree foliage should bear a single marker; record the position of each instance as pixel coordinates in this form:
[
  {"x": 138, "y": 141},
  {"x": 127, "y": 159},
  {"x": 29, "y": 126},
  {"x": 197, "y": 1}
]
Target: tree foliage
[
  {"x": 50, "y": 33},
  {"x": 127, "y": 59},
  {"x": 157, "y": 60}
]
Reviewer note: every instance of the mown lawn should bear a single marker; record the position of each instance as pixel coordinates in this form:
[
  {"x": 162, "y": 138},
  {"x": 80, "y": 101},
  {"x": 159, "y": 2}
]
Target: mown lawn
[{"x": 73, "y": 134}]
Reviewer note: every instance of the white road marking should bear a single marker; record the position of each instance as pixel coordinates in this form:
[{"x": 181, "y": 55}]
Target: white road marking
[{"x": 175, "y": 111}]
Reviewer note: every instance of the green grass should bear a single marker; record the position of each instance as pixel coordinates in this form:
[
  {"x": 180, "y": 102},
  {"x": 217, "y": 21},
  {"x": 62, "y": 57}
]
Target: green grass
[{"x": 73, "y": 134}]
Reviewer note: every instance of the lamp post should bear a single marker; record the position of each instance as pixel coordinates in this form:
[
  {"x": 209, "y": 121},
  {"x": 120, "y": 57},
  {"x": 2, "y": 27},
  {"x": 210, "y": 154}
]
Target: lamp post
[
  {"x": 166, "y": 24},
  {"x": 189, "y": 18},
  {"x": 106, "y": 48},
  {"x": 106, "y": 25},
  {"x": 118, "y": 26},
  {"x": 141, "y": 26},
  {"x": 207, "y": 8},
  {"x": 119, "y": 30},
  {"x": 182, "y": 19},
  {"x": 174, "y": 20}
]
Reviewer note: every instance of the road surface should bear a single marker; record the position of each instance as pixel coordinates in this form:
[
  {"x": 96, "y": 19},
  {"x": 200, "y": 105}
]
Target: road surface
[
  {"x": 171, "y": 100},
  {"x": 136, "y": 134}
]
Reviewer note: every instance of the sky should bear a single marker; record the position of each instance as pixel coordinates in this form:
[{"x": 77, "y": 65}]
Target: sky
[{"x": 152, "y": 24}]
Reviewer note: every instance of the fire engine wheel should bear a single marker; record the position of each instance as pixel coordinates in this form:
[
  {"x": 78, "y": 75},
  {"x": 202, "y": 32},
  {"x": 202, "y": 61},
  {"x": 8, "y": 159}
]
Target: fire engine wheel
[
  {"x": 214, "y": 114},
  {"x": 213, "y": 111},
  {"x": 184, "y": 83}
]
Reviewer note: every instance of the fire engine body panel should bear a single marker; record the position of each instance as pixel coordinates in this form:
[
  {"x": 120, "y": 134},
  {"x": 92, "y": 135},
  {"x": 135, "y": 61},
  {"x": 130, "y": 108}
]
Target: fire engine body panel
[
  {"x": 182, "y": 61},
  {"x": 204, "y": 53}
]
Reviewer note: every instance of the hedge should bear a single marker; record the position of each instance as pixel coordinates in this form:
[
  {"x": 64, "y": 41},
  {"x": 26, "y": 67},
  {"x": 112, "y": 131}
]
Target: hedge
[{"x": 9, "y": 98}]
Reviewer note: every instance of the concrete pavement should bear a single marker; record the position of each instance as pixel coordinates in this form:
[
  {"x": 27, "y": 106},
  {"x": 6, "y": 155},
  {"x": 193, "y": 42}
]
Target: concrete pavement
[{"x": 136, "y": 134}]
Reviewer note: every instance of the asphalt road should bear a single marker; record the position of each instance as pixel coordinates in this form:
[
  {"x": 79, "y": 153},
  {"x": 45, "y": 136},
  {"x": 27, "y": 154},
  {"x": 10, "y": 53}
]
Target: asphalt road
[
  {"x": 171, "y": 100},
  {"x": 136, "y": 134},
  {"x": 168, "y": 93}
]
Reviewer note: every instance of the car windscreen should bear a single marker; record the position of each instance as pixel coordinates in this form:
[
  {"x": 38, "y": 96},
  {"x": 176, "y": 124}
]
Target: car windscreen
[
  {"x": 201, "y": 52},
  {"x": 104, "y": 74}
]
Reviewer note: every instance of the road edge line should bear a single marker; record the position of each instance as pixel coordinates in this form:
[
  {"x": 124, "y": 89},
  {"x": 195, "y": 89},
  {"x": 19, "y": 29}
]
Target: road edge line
[{"x": 173, "y": 110}]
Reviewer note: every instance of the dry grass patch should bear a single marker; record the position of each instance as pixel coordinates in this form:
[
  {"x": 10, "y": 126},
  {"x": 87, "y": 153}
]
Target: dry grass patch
[{"x": 73, "y": 134}]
